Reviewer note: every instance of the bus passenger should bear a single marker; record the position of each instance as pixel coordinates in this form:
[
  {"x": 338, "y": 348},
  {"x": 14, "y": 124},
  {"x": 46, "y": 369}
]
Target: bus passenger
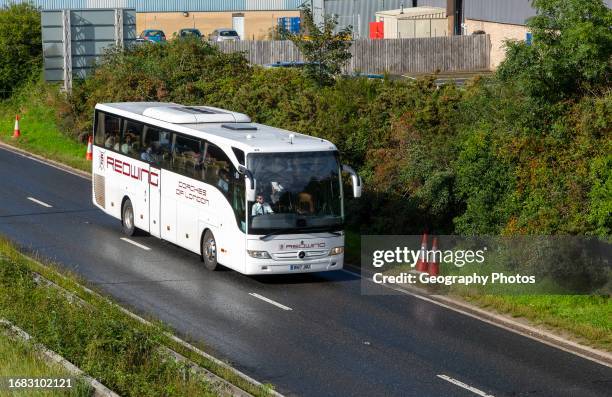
[
  {"x": 147, "y": 155},
  {"x": 125, "y": 147},
  {"x": 110, "y": 142}
]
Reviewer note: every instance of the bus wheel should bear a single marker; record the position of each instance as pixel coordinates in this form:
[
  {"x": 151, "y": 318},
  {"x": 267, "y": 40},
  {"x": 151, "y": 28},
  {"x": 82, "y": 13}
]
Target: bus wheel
[
  {"x": 127, "y": 218},
  {"x": 209, "y": 250}
]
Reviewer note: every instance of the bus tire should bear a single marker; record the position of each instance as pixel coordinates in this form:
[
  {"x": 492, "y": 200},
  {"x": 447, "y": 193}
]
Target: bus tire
[
  {"x": 209, "y": 251},
  {"x": 127, "y": 218}
]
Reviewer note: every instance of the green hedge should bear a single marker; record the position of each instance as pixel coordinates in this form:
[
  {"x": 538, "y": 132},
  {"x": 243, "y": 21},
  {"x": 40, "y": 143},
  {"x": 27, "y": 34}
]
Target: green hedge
[{"x": 483, "y": 159}]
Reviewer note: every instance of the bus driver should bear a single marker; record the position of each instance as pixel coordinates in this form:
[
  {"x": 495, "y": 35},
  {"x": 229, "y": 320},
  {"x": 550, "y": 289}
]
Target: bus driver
[{"x": 260, "y": 207}]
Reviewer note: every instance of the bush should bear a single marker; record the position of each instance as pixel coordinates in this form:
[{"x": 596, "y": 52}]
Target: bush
[
  {"x": 504, "y": 155},
  {"x": 570, "y": 53}
]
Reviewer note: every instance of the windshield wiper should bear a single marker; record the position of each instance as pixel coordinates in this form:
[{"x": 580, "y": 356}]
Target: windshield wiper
[{"x": 300, "y": 230}]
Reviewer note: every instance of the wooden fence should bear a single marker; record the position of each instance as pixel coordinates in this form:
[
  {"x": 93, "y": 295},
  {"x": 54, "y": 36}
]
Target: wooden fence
[{"x": 395, "y": 56}]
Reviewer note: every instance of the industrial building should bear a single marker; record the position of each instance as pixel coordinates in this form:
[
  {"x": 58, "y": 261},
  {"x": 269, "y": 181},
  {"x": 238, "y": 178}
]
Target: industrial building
[
  {"x": 500, "y": 19},
  {"x": 255, "y": 19},
  {"x": 252, "y": 19},
  {"x": 411, "y": 23}
]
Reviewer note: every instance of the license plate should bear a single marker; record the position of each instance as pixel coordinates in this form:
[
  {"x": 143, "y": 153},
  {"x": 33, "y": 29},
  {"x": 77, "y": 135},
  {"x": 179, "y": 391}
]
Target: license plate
[{"x": 299, "y": 267}]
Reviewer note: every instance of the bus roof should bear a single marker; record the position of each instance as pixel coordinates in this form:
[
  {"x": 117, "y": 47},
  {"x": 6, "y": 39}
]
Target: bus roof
[{"x": 217, "y": 125}]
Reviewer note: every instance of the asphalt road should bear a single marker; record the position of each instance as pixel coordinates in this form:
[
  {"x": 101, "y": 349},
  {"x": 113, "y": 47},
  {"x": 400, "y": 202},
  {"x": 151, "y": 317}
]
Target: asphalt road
[{"x": 333, "y": 341}]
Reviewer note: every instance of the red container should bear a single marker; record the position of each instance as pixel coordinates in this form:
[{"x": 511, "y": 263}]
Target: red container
[{"x": 377, "y": 30}]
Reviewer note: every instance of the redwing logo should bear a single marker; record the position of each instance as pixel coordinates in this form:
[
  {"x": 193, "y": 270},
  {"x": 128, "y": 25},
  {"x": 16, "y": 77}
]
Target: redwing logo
[
  {"x": 127, "y": 169},
  {"x": 101, "y": 165},
  {"x": 302, "y": 245}
]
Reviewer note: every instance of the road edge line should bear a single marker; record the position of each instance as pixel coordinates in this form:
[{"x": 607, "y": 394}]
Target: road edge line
[
  {"x": 499, "y": 320},
  {"x": 52, "y": 357},
  {"x": 142, "y": 320},
  {"x": 235, "y": 390},
  {"x": 44, "y": 160}
]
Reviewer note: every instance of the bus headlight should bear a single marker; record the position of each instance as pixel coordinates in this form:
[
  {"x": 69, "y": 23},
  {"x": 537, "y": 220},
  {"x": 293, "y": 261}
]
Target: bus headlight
[
  {"x": 259, "y": 254},
  {"x": 336, "y": 251}
]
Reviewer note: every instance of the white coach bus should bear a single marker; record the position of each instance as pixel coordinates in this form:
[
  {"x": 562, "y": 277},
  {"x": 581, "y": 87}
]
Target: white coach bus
[{"x": 256, "y": 199}]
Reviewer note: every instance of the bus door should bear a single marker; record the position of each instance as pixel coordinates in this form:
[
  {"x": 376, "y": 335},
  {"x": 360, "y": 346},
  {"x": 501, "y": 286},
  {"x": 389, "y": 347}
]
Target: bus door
[
  {"x": 156, "y": 153},
  {"x": 134, "y": 179},
  {"x": 155, "y": 201}
]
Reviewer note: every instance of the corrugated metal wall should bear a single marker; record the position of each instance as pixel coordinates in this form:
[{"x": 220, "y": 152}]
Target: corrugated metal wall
[
  {"x": 167, "y": 5},
  {"x": 513, "y": 12},
  {"x": 359, "y": 13}
]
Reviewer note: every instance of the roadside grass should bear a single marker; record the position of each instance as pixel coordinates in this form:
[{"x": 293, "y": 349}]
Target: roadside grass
[
  {"x": 587, "y": 318},
  {"x": 39, "y": 131},
  {"x": 18, "y": 359},
  {"x": 109, "y": 345}
]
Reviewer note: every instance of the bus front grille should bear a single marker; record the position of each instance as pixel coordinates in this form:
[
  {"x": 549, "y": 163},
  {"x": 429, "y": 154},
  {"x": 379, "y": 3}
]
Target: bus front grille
[
  {"x": 311, "y": 254},
  {"x": 99, "y": 182}
]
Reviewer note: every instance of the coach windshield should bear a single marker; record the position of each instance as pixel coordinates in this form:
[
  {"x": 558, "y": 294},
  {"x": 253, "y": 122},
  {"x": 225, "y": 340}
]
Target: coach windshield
[{"x": 296, "y": 192}]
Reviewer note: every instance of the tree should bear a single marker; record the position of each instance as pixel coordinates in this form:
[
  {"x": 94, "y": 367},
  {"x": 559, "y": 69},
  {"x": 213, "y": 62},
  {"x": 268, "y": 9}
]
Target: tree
[
  {"x": 324, "y": 50},
  {"x": 570, "y": 54},
  {"x": 20, "y": 45}
]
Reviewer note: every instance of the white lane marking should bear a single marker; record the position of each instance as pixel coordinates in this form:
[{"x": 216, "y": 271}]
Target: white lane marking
[
  {"x": 270, "y": 301},
  {"x": 465, "y": 386},
  {"x": 522, "y": 332},
  {"x": 144, "y": 247},
  {"x": 39, "y": 202}
]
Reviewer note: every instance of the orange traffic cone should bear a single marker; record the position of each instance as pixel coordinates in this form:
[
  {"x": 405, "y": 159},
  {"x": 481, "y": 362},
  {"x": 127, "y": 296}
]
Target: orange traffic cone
[
  {"x": 434, "y": 267},
  {"x": 89, "y": 154},
  {"x": 421, "y": 265},
  {"x": 16, "y": 132}
]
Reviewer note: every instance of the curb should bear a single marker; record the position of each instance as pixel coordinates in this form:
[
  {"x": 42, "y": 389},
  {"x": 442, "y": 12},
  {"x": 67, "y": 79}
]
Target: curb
[
  {"x": 541, "y": 335},
  {"x": 44, "y": 160},
  {"x": 53, "y": 358},
  {"x": 235, "y": 390}
]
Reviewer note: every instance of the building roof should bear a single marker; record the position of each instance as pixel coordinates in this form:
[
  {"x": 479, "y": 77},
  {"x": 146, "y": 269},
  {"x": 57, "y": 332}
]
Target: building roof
[
  {"x": 360, "y": 13},
  {"x": 228, "y": 131},
  {"x": 166, "y": 5},
  {"x": 414, "y": 13}
]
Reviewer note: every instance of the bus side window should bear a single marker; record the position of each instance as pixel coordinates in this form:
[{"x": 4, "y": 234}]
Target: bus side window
[
  {"x": 188, "y": 156},
  {"x": 150, "y": 150},
  {"x": 99, "y": 134},
  {"x": 131, "y": 139},
  {"x": 108, "y": 131},
  {"x": 164, "y": 153},
  {"x": 221, "y": 173}
]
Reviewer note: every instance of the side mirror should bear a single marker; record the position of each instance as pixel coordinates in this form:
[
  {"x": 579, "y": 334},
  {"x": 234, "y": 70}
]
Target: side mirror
[
  {"x": 355, "y": 179},
  {"x": 250, "y": 182}
]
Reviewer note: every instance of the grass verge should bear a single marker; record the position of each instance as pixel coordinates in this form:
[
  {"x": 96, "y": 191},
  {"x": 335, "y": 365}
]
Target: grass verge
[
  {"x": 587, "y": 319},
  {"x": 39, "y": 131},
  {"x": 98, "y": 337},
  {"x": 19, "y": 359}
]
